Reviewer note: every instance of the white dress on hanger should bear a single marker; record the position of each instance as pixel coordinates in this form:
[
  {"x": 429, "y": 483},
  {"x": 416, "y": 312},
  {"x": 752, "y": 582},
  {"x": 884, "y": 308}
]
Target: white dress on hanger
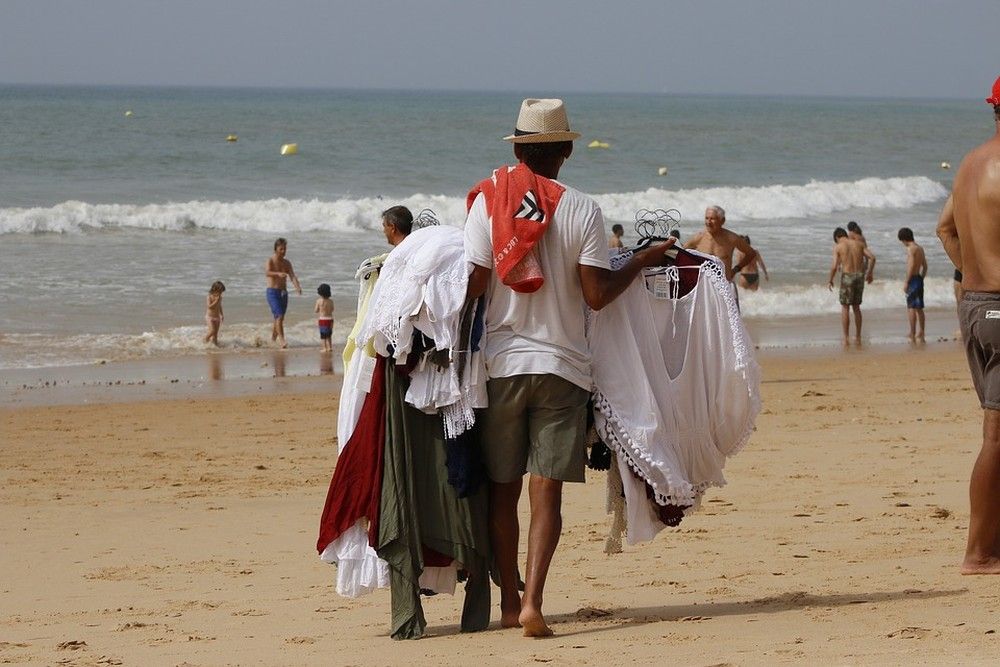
[{"x": 677, "y": 388}]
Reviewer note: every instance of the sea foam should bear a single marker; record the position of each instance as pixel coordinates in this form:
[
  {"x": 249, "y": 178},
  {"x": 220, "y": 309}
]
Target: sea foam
[
  {"x": 288, "y": 216},
  {"x": 806, "y": 300},
  {"x": 40, "y": 350}
]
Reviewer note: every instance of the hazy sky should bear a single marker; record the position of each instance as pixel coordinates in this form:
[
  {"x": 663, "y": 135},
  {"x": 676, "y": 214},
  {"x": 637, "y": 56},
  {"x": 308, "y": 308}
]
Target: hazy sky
[{"x": 915, "y": 48}]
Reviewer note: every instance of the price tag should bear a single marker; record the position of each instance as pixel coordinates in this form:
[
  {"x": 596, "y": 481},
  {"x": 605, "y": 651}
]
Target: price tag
[{"x": 661, "y": 287}]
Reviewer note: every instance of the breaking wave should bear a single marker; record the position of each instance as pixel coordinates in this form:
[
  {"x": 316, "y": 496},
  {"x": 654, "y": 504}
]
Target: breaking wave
[{"x": 287, "y": 216}]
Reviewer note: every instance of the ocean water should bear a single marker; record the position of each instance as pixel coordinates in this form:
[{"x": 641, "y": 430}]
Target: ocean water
[{"x": 114, "y": 224}]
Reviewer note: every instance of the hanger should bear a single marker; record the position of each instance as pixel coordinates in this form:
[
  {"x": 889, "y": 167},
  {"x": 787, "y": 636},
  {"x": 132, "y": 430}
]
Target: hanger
[
  {"x": 426, "y": 218},
  {"x": 654, "y": 226}
]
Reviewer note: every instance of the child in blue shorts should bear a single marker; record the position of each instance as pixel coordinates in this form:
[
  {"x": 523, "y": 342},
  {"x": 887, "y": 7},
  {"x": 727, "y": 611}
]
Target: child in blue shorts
[{"x": 324, "y": 316}]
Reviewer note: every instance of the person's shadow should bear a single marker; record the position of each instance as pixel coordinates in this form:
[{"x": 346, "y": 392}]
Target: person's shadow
[{"x": 615, "y": 618}]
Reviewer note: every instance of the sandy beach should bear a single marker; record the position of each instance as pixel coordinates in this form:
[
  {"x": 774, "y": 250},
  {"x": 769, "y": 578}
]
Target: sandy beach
[{"x": 181, "y": 531}]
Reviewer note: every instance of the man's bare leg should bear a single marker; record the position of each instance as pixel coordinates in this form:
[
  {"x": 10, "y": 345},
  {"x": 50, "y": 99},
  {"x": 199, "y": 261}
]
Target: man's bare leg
[
  {"x": 279, "y": 326},
  {"x": 920, "y": 324},
  {"x": 274, "y": 329},
  {"x": 505, "y": 533},
  {"x": 982, "y": 555},
  {"x": 911, "y": 315},
  {"x": 845, "y": 323},
  {"x": 857, "y": 324},
  {"x": 543, "y": 535}
]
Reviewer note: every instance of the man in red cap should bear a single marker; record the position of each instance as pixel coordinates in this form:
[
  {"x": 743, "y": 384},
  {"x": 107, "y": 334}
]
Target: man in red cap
[{"x": 969, "y": 229}]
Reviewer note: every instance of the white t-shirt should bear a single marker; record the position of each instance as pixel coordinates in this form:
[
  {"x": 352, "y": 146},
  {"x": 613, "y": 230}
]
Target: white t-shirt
[{"x": 542, "y": 332}]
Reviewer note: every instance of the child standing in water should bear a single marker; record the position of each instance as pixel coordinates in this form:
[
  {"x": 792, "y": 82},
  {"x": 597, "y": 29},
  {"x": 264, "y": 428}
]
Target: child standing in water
[
  {"x": 324, "y": 313},
  {"x": 213, "y": 312}
]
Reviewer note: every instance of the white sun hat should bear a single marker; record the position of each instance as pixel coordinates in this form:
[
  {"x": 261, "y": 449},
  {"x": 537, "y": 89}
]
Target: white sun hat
[{"x": 542, "y": 121}]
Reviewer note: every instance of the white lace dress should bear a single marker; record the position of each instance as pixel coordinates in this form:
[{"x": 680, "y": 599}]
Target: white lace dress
[{"x": 676, "y": 390}]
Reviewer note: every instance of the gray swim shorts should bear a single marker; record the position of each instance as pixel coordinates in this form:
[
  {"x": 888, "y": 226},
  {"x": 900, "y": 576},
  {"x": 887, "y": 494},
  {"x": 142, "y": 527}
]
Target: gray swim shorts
[
  {"x": 536, "y": 424},
  {"x": 979, "y": 317}
]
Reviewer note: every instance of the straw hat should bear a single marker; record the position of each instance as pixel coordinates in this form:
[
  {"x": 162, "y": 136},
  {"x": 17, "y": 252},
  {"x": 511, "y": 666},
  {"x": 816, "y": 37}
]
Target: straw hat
[{"x": 541, "y": 121}]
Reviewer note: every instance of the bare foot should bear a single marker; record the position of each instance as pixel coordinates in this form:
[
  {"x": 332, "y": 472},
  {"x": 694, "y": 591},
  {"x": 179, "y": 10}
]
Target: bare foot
[
  {"x": 509, "y": 619},
  {"x": 533, "y": 623},
  {"x": 989, "y": 565},
  {"x": 857, "y": 340},
  {"x": 509, "y": 611}
]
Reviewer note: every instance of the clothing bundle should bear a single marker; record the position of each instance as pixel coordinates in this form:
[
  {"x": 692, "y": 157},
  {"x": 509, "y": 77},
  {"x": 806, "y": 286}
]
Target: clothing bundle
[
  {"x": 676, "y": 391},
  {"x": 406, "y": 507}
]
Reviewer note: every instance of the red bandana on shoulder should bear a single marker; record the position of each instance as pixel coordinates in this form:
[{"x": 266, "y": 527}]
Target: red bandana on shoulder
[{"x": 520, "y": 204}]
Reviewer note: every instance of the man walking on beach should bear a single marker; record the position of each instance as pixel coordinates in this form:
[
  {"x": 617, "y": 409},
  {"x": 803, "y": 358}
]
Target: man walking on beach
[
  {"x": 913, "y": 283},
  {"x": 278, "y": 271},
  {"x": 849, "y": 257},
  {"x": 547, "y": 244},
  {"x": 719, "y": 242},
  {"x": 969, "y": 229}
]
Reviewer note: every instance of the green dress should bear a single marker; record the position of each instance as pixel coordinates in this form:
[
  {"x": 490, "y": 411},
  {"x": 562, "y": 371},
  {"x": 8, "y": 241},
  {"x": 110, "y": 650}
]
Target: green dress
[{"x": 419, "y": 507}]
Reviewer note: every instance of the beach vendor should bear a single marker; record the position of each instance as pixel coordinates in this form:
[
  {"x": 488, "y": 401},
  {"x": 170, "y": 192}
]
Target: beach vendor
[
  {"x": 278, "y": 272},
  {"x": 969, "y": 229},
  {"x": 539, "y": 252}
]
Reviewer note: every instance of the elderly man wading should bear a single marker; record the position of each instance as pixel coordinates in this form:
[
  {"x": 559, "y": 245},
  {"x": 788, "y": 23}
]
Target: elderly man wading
[{"x": 540, "y": 254}]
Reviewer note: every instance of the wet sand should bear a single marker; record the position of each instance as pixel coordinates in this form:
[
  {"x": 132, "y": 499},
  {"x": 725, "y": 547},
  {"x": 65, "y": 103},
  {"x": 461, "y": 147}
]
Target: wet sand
[{"x": 182, "y": 530}]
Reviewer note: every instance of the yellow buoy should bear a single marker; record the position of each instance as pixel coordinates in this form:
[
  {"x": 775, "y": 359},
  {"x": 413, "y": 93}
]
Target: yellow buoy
[
  {"x": 289, "y": 149},
  {"x": 231, "y": 137},
  {"x": 128, "y": 113},
  {"x": 946, "y": 165},
  {"x": 597, "y": 143},
  {"x": 662, "y": 171}
]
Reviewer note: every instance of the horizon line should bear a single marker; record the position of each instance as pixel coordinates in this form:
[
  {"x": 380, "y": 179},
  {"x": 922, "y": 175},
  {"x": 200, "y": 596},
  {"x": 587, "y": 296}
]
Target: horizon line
[{"x": 501, "y": 91}]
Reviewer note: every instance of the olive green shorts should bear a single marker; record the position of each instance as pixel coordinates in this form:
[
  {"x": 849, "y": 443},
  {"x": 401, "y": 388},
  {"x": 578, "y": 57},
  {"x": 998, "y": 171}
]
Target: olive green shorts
[{"x": 536, "y": 424}]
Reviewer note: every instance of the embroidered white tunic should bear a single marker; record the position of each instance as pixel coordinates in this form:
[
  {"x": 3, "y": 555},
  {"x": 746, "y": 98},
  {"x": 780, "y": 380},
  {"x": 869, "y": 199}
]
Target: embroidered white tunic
[{"x": 676, "y": 388}]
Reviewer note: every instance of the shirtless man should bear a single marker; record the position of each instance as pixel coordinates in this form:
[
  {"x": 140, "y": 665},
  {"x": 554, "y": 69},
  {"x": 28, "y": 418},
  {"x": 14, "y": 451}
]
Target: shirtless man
[
  {"x": 849, "y": 256},
  {"x": 913, "y": 284},
  {"x": 854, "y": 232},
  {"x": 278, "y": 271},
  {"x": 721, "y": 243},
  {"x": 969, "y": 229}
]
